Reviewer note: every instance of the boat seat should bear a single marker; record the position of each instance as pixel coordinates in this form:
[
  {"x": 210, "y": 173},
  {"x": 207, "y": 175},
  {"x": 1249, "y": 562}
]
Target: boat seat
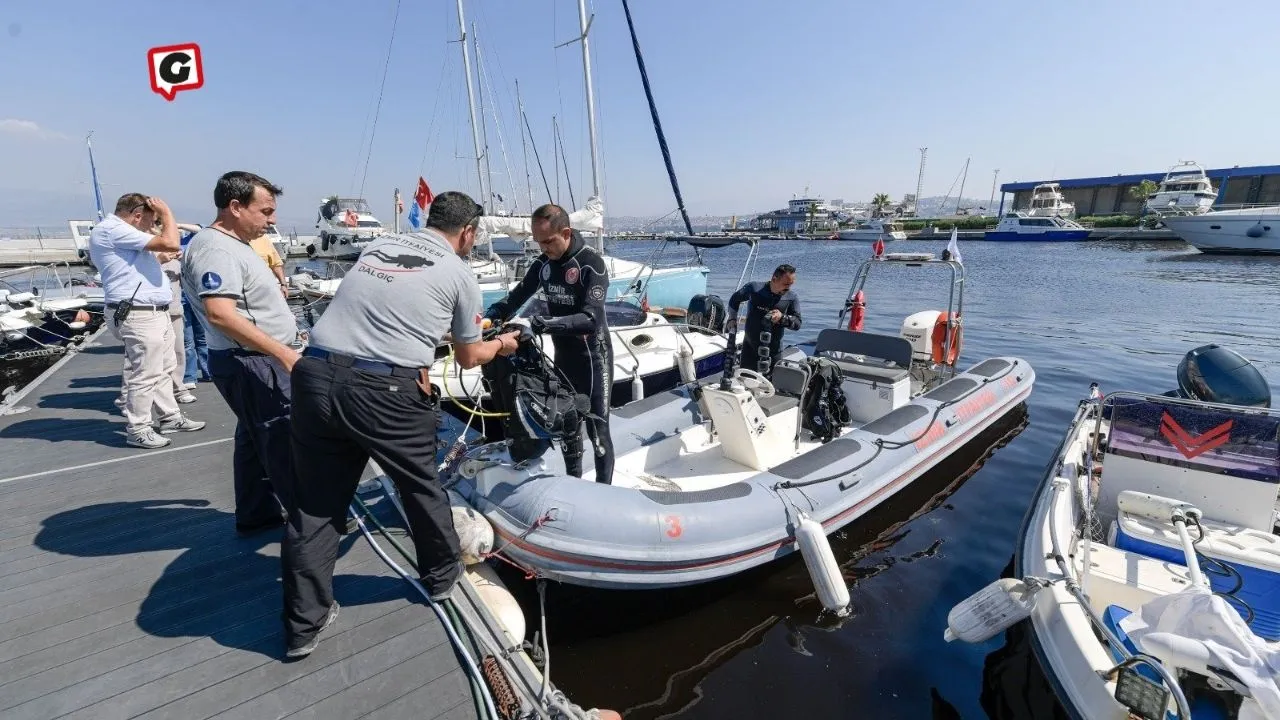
[
  {"x": 1255, "y": 555},
  {"x": 866, "y": 356},
  {"x": 869, "y": 369},
  {"x": 779, "y": 403},
  {"x": 790, "y": 378}
]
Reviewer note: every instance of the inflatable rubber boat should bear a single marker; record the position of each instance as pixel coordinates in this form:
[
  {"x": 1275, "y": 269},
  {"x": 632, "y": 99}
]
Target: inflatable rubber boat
[{"x": 713, "y": 478}]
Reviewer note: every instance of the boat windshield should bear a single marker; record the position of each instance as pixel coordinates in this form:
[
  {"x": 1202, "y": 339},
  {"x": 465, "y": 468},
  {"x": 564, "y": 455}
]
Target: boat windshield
[{"x": 356, "y": 204}]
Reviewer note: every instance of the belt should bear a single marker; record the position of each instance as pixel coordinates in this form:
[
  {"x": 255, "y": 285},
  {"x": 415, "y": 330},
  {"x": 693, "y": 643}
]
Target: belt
[
  {"x": 372, "y": 366},
  {"x": 139, "y": 306},
  {"x": 238, "y": 352}
]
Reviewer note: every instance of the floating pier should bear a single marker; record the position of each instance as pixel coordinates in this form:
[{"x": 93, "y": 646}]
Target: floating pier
[{"x": 126, "y": 593}]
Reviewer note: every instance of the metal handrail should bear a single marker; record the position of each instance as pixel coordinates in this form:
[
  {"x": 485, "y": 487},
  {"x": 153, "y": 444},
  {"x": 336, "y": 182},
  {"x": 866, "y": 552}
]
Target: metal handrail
[{"x": 955, "y": 300}]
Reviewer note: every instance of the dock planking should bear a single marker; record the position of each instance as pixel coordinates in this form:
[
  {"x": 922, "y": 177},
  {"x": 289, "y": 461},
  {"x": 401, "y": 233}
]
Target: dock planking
[{"x": 125, "y": 593}]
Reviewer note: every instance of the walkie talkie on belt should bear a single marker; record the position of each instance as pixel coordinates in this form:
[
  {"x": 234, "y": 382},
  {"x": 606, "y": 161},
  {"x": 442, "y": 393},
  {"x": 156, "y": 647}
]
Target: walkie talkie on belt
[{"x": 125, "y": 307}]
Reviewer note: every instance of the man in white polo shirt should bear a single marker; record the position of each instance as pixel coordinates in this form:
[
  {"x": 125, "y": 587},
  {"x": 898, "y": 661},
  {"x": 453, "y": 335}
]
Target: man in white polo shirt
[{"x": 137, "y": 296}]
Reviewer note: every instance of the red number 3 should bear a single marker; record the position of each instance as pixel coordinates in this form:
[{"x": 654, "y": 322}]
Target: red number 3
[{"x": 673, "y": 526}]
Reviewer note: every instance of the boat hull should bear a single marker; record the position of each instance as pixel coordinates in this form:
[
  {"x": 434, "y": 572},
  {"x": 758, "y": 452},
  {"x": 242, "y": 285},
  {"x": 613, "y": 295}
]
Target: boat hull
[
  {"x": 861, "y": 236},
  {"x": 667, "y": 287},
  {"x": 611, "y": 536},
  {"x": 1051, "y": 236},
  {"x": 1229, "y": 235}
]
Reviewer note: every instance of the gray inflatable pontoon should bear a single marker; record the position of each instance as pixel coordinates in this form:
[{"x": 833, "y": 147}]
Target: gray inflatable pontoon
[{"x": 709, "y": 487}]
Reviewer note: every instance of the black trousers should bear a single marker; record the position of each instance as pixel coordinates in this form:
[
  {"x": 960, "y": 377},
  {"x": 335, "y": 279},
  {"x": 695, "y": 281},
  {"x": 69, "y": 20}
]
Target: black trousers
[
  {"x": 591, "y": 376},
  {"x": 257, "y": 389},
  {"x": 341, "y": 418}
]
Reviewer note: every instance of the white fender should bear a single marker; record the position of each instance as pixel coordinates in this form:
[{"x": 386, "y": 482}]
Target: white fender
[{"x": 822, "y": 566}]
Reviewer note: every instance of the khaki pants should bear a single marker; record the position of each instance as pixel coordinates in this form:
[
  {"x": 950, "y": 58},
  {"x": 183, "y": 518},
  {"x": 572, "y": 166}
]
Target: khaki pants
[
  {"x": 149, "y": 365},
  {"x": 179, "y": 351}
]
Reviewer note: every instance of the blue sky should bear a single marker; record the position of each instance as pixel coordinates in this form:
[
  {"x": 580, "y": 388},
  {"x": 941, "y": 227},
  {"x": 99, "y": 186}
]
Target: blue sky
[{"x": 759, "y": 99}]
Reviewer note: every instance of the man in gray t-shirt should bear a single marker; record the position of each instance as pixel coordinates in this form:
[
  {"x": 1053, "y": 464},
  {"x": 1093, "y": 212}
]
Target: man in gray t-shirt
[
  {"x": 361, "y": 390},
  {"x": 250, "y": 331},
  {"x": 401, "y": 297},
  {"x": 221, "y": 265}
]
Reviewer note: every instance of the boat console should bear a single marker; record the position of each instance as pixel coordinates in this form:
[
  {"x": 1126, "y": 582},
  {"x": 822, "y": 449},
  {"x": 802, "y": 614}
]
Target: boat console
[{"x": 755, "y": 422}]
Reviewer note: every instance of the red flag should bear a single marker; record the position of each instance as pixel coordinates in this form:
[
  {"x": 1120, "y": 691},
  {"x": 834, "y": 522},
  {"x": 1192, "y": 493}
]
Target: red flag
[
  {"x": 423, "y": 197},
  {"x": 350, "y": 219},
  {"x": 878, "y": 247}
]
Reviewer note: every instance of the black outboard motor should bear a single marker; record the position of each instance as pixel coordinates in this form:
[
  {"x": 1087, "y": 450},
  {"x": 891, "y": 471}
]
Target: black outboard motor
[
  {"x": 1212, "y": 373},
  {"x": 707, "y": 311}
]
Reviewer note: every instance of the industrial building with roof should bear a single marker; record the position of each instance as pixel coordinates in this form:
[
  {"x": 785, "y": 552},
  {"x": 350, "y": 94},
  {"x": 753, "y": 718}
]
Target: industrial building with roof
[{"x": 1236, "y": 186}]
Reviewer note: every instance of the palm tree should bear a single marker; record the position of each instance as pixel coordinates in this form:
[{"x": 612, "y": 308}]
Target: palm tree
[
  {"x": 1143, "y": 190},
  {"x": 880, "y": 202}
]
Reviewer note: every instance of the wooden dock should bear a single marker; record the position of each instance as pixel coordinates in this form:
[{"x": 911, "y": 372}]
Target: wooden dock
[{"x": 125, "y": 592}]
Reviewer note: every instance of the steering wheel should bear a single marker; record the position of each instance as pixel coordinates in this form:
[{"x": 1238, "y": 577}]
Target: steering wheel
[{"x": 755, "y": 382}]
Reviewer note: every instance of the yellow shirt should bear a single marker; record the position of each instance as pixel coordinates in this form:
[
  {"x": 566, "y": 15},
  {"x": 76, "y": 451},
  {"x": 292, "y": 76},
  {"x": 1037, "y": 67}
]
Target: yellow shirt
[{"x": 262, "y": 245}]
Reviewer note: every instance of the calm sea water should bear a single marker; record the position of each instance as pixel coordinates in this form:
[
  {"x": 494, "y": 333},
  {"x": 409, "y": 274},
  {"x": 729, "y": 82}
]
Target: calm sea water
[{"x": 759, "y": 646}]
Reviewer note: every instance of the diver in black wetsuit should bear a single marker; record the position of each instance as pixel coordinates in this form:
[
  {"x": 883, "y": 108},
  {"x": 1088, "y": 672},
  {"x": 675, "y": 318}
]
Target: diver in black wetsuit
[
  {"x": 574, "y": 280},
  {"x": 772, "y": 307}
]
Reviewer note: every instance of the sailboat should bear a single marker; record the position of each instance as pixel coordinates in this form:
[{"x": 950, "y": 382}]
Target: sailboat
[{"x": 660, "y": 286}]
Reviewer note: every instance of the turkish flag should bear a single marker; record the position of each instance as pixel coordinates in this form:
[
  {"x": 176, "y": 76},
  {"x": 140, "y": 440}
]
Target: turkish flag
[
  {"x": 878, "y": 247},
  {"x": 423, "y": 197}
]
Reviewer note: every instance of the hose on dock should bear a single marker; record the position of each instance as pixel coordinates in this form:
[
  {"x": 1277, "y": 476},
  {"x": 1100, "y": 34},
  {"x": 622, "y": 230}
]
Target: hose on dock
[
  {"x": 455, "y": 625},
  {"x": 473, "y": 671}
]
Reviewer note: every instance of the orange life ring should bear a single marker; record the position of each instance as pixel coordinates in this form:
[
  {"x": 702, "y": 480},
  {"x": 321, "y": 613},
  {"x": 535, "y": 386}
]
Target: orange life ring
[{"x": 940, "y": 339}]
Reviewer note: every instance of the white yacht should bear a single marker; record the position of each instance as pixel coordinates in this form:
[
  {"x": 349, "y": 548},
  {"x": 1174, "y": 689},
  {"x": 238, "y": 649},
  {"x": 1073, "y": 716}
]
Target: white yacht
[
  {"x": 344, "y": 227},
  {"x": 1047, "y": 201},
  {"x": 1020, "y": 226},
  {"x": 1245, "y": 231},
  {"x": 872, "y": 229},
  {"x": 1185, "y": 190}
]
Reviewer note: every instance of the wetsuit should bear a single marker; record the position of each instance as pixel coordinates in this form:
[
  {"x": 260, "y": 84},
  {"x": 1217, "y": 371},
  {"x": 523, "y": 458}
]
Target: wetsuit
[
  {"x": 761, "y": 300},
  {"x": 575, "y": 287}
]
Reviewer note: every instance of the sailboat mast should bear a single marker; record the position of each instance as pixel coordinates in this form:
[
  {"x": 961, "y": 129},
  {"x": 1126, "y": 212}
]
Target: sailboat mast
[
  {"x": 960, "y": 197},
  {"x": 471, "y": 102},
  {"x": 484, "y": 124},
  {"x": 585, "y": 24},
  {"x": 93, "y": 173},
  {"x": 591, "y": 98},
  {"x": 657, "y": 124},
  {"x": 524, "y": 148}
]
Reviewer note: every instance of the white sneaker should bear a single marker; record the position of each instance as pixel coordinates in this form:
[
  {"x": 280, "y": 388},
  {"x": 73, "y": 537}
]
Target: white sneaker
[
  {"x": 120, "y": 402},
  {"x": 147, "y": 438},
  {"x": 188, "y": 386},
  {"x": 185, "y": 397},
  {"x": 180, "y": 423}
]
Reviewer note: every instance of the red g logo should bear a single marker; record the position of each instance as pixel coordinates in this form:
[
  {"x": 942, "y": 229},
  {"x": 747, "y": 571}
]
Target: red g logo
[{"x": 175, "y": 68}]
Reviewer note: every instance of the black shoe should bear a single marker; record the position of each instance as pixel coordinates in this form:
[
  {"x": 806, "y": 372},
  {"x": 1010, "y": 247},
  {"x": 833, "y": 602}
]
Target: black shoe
[
  {"x": 245, "y": 531},
  {"x": 445, "y": 592},
  {"x": 302, "y": 651}
]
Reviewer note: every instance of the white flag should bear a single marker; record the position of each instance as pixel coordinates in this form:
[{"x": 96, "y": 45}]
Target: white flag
[{"x": 953, "y": 247}]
